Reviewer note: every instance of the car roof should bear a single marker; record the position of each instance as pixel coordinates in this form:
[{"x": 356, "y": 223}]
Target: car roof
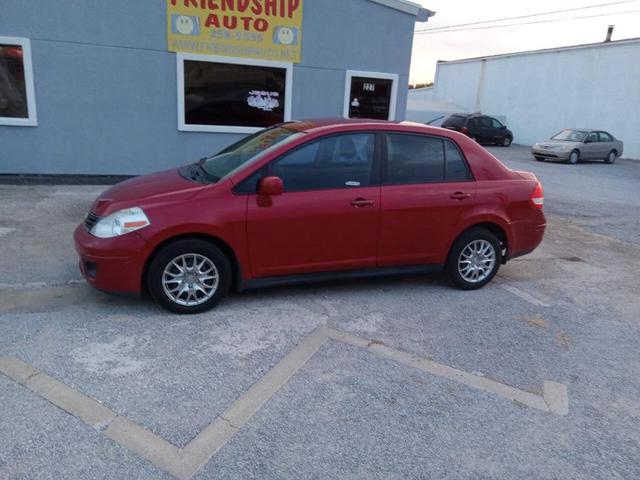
[
  {"x": 311, "y": 124},
  {"x": 346, "y": 124},
  {"x": 469, "y": 115}
]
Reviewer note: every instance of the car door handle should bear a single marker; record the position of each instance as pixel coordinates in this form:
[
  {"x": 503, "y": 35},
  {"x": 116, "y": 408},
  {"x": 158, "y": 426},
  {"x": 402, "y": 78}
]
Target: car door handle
[
  {"x": 362, "y": 202},
  {"x": 460, "y": 196}
]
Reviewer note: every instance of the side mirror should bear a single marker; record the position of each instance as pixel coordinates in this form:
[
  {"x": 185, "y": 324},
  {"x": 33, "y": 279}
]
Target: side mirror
[{"x": 271, "y": 187}]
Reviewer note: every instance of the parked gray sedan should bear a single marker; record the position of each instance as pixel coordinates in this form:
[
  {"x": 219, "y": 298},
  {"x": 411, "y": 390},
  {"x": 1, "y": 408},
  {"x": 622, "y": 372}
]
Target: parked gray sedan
[{"x": 573, "y": 145}]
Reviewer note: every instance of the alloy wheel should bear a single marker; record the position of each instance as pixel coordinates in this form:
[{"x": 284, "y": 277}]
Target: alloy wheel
[
  {"x": 190, "y": 279},
  {"x": 476, "y": 261}
]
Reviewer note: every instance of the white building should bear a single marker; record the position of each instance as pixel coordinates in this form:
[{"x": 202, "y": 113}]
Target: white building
[{"x": 543, "y": 91}]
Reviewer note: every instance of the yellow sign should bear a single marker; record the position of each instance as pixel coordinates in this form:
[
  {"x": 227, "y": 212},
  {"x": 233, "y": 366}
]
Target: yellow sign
[{"x": 266, "y": 29}]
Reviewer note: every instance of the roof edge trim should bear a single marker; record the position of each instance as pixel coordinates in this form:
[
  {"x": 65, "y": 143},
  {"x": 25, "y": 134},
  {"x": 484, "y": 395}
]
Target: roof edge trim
[
  {"x": 406, "y": 6},
  {"x": 544, "y": 50}
]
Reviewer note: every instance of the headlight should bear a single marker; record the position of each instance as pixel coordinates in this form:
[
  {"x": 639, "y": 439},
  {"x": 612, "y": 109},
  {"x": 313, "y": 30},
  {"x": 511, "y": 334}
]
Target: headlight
[{"x": 121, "y": 222}]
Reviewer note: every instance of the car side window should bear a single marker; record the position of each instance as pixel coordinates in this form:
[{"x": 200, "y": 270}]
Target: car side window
[
  {"x": 414, "y": 159},
  {"x": 337, "y": 161},
  {"x": 456, "y": 168},
  {"x": 605, "y": 137},
  {"x": 474, "y": 122},
  {"x": 486, "y": 122},
  {"x": 495, "y": 123},
  {"x": 593, "y": 137}
]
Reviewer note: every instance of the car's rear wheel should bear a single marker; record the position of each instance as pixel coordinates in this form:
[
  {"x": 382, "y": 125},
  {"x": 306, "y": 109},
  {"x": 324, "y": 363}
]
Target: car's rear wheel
[
  {"x": 574, "y": 157},
  {"x": 189, "y": 276},
  {"x": 611, "y": 158},
  {"x": 507, "y": 141},
  {"x": 474, "y": 259}
]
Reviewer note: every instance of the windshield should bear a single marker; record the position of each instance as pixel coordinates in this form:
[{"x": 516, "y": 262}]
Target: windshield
[
  {"x": 240, "y": 154},
  {"x": 570, "y": 135}
]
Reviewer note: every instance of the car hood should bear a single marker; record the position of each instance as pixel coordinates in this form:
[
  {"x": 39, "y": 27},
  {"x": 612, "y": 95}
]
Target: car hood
[
  {"x": 160, "y": 187},
  {"x": 557, "y": 143}
]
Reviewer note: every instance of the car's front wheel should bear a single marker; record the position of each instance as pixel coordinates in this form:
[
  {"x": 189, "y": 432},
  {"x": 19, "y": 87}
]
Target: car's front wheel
[
  {"x": 506, "y": 141},
  {"x": 474, "y": 259},
  {"x": 189, "y": 276},
  {"x": 574, "y": 157}
]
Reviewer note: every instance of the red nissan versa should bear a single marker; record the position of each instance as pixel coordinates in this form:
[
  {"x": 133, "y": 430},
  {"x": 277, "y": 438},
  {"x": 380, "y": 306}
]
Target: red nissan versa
[{"x": 307, "y": 201}]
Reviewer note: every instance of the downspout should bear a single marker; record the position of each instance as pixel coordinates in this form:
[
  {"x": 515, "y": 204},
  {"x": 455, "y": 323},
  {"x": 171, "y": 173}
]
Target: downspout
[{"x": 481, "y": 81}]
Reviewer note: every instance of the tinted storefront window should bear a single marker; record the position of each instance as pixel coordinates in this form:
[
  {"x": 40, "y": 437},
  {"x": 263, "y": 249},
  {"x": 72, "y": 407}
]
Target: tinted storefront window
[
  {"x": 222, "y": 94},
  {"x": 370, "y": 98},
  {"x": 13, "y": 90}
]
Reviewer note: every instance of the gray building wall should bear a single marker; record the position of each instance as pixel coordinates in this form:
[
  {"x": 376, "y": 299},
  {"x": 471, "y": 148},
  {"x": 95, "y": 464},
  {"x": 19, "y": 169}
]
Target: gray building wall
[{"x": 106, "y": 86}]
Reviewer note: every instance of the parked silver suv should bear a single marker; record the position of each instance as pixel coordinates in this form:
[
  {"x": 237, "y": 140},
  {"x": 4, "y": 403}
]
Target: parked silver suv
[{"x": 573, "y": 145}]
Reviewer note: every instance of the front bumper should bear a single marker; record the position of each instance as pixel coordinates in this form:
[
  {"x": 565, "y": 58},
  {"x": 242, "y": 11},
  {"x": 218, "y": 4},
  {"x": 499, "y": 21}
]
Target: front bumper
[
  {"x": 557, "y": 154},
  {"x": 112, "y": 265}
]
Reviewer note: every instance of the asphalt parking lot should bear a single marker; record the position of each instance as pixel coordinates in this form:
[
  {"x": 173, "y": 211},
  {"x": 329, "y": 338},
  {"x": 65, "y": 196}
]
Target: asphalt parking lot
[{"x": 535, "y": 376}]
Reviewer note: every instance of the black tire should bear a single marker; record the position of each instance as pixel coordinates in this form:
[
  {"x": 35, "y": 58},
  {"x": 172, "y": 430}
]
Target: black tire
[
  {"x": 574, "y": 157},
  {"x": 506, "y": 141},
  {"x": 540, "y": 159},
  {"x": 611, "y": 157},
  {"x": 452, "y": 270},
  {"x": 175, "y": 249}
]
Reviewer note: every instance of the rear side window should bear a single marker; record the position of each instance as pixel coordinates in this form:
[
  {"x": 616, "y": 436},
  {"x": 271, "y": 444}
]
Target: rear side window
[
  {"x": 339, "y": 161},
  {"x": 474, "y": 122},
  {"x": 456, "y": 168},
  {"x": 605, "y": 137},
  {"x": 413, "y": 159}
]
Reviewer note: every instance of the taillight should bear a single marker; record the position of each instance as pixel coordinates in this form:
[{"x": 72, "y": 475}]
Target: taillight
[{"x": 537, "y": 197}]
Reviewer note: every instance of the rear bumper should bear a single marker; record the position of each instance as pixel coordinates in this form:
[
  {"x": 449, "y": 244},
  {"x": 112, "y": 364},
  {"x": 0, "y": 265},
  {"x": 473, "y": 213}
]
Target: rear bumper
[
  {"x": 527, "y": 237},
  {"x": 112, "y": 265}
]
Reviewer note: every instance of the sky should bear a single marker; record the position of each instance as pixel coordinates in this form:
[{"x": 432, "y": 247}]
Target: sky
[{"x": 428, "y": 49}]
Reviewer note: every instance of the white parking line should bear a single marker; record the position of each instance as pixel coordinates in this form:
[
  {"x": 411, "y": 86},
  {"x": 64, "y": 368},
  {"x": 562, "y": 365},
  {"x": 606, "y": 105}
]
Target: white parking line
[
  {"x": 183, "y": 463},
  {"x": 554, "y": 398},
  {"x": 524, "y": 295}
]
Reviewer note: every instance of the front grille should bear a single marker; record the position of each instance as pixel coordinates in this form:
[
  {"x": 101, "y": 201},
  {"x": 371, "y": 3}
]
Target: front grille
[{"x": 90, "y": 220}]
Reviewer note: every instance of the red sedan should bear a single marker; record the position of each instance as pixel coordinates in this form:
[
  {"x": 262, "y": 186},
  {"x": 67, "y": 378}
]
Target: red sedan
[{"x": 312, "y": 200}]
